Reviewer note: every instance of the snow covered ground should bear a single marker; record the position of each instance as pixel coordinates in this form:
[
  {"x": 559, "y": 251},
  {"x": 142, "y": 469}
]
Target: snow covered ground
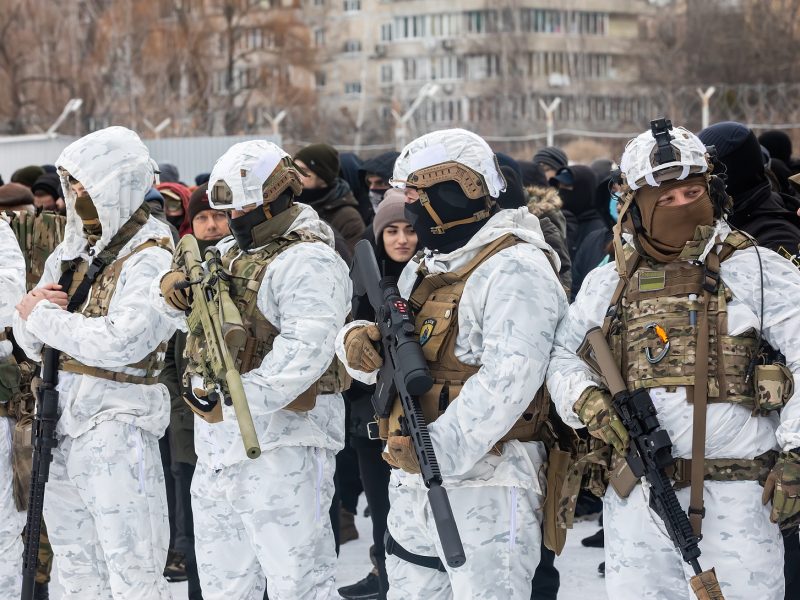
[{"x": 577, "y": 565}]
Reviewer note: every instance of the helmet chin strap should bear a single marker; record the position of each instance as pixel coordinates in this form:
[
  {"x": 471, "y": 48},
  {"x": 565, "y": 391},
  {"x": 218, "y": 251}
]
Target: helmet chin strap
[{"x": 441, "y": 227}]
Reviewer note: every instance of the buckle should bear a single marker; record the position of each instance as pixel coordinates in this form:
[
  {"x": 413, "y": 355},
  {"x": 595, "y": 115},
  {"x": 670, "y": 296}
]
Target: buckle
[
  {"x": 373, "y": 431},
  {"x": 694, "y": 511},
  {"x": 710, "y": 280}
]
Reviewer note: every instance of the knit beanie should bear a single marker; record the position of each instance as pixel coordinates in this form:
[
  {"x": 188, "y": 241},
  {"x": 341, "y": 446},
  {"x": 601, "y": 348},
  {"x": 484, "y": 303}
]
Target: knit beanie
[
  {"x": 778, "y": 143},
  {"x": 27, "y": 176},
  {"x": 532, "y": 174},
  {"x": 15, "y": 194},
  {"x": 168, "y": 173},
  {"x": 552, "y": 156},
  {"x": 740, "y": 152},
  {"x": 322, "y": 160},
  {"x": 198, "y": 202},
  {"x": 391, "y": 209},
  {"x": 50, "y": 184}
]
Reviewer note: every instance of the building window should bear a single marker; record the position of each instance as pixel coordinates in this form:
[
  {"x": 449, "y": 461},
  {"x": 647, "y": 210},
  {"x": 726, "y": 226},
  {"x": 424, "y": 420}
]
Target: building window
[
  {"x": 386, "y": 32},
  {"x": 352, "y": 87},
  {"x": 352, "y": 46},
  {"x": 319, "y": 79},
  {"x": 319, "y": 37},
  {"x": 387, "y": 74},
  {"x": 352, "y": 5},
  {"x": 319, "y": 2}
]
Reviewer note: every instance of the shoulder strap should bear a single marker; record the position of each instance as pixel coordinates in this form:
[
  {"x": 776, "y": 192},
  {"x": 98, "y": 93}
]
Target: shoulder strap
[
  {"x": 433, "y": 282},
  {"x": 624, "y": 279},
  {"x": 736, "y": 240}
]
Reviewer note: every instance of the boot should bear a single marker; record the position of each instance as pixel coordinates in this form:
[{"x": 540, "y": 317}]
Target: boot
[
  {"x": 596, "y": 540},
  {"x": 366, "y": 589},
  {"x": 40, "y": 591},
  {"x": 175, "y": 570},
  {"x": 347, "y": 527}
]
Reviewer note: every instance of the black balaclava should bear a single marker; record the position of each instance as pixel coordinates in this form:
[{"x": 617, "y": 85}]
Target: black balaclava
[
  {"x": 580, "y": 198},
  {"x": 514, "y": 196},
  {"x": 739, "y": 150},
  {"x": 248, "y": 229},
  {"x": 313, "y": 196},
  {"x": 450, "y": 203}
]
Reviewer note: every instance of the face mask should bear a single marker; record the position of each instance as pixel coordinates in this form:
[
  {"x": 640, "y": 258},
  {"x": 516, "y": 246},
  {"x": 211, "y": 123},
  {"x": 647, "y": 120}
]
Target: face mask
[
  {"x": 312, "y": 196},
  {"x": 254, "y": 229},
  {"x": 375, "y": 198},
  {"x": 87, "y": 212},
  {"x": 667, "y": 229},
  {"x": 613, "y": 207},
  {"x": 450, "y": 204}
]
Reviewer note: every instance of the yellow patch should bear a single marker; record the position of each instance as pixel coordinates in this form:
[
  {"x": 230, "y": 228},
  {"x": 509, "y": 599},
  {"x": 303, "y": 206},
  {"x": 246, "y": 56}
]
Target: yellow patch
[{"x": 427, "y": 331}]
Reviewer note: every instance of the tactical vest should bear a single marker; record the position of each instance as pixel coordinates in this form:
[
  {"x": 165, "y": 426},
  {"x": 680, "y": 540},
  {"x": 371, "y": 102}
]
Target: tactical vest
[
  {"x": 97, "y": 305},
  {"x": 435, "y": 303},
  {"x": 38, "y": 235},
  {"x": 664, "y": 300},
  {"x": 247, "y": 271}
]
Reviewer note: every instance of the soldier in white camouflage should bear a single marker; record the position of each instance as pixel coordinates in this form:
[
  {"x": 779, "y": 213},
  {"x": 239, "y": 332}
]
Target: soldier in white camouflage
[
  {"x": 105, "y": 503},
  {"x": 486, "y": 307},
  {"x": 269, "y": 516},
  {"x": 687, "y": 308},
  {"x": 12, "y": 288}
]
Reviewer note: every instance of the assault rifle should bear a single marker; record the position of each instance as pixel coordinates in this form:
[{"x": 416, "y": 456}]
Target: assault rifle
[
  {"x": 405, "y": 374},
  {"x": 649, "y": 454},
  {"x": 215, "y": 318}
]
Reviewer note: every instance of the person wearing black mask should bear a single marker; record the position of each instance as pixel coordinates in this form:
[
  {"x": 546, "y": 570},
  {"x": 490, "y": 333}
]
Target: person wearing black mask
[
  {"x": 327, "y": 193},
  {"x": 577, "y": 190},
  {"x": 757, "y": 209},
  {"x": 486, "y": 303}
]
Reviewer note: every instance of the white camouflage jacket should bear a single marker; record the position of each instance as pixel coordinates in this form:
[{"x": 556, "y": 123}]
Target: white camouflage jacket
[
  {"x": 12, "y": 280},
  {"x": 731, "y": 432},
  {"x": 115, "y": 168},
  {"x": 507, "y": 318},
  {"x": 305, "y": 293}
]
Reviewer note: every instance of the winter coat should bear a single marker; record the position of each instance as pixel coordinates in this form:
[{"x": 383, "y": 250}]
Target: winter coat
[
  {"x": 12, "y": 280},
  {"x": 339, "y": 209},
  {"x": 117, "y": 176},
  {"x": 546, "y": 204},
  {"x": 762, "y": 213},
  {"x": 732, "y": 430},
  {"x": 506, "y": 318},
  {"x": 305, "y": 293}
]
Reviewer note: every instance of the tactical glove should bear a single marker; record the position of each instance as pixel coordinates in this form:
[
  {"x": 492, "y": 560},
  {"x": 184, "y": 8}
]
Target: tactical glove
[
  {"x": 783, "y": 486},
  {"x": 400, "y": 454},
  {"x": 360, "y": 351},
  {"x": 177, "y": 298},
  {"x": 595, "y": 411}
]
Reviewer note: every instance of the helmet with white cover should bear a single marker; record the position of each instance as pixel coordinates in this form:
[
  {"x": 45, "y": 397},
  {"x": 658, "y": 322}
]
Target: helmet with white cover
[
  {"x": 662, "y": 154},
  {"x": 252, "y": 173}
]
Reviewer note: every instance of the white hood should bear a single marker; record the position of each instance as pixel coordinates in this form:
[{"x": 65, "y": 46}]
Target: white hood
[
  {"x": 115, "y": 168},
  {"x": 519, "y": 222}
]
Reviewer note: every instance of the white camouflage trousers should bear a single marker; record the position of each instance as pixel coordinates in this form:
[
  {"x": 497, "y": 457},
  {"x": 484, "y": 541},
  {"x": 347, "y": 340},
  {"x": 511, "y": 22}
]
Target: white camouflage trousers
[
  {"x": 266, "y": 517},
  {"x": 106, "y": 514},
  {"x": 11, "y": 521},
  {"x": 739, "y": 542},
  {"x": 500, "y": 529}
]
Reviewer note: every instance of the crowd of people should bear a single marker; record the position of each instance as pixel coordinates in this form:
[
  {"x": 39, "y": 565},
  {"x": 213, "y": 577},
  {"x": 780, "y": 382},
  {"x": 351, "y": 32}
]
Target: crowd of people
[{"x": 685, "y": 255}]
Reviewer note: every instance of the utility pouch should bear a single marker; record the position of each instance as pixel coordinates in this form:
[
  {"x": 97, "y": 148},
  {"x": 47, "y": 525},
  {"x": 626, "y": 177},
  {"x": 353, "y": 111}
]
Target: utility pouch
[
  {"x": 9, "y": 380},
  {"x": 436, "y": 322},
  {"x": 22, "y": 461},
  {"x": 774, "y": 386},
  {"x": 621, "y": 478},
  {"x": 555, "y": 534}
]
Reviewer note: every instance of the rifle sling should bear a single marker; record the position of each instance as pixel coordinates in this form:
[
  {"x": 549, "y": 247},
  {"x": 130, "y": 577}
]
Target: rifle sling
[{"x": 700, "y": 396}]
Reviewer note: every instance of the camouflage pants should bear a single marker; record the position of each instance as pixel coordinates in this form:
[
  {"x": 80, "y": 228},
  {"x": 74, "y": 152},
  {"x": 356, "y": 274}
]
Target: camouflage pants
[
  {"x": 500, "y": 528},
  {"x": 738, "y": 541},
  {"x": 11, "y": 521},
  {"x": 106, "y": 511},
  {"x": 266, "y": 517}
]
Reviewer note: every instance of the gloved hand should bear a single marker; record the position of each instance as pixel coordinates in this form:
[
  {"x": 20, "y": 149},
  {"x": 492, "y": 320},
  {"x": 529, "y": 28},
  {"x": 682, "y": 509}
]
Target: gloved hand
[
  {"x": 360, "y": 351},
  {"x": 400, "y": 454},
  {"x": 204, "y": 405},
  {"x": 180, "y": 298},
  {"x": 595, "y": 411},
  {"x": 783, "y": 487}
]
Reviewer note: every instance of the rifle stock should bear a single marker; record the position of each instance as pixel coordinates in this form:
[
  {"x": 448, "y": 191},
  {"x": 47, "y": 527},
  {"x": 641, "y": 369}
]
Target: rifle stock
[
  {"x": 214, "y": 316},
  {"x": 405, "y": 375},
  {"x": 649, "y": 454}
]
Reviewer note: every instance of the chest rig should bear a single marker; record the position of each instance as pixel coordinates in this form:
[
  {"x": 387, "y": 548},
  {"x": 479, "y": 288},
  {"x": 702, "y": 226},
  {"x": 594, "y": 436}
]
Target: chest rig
[
  {"x": 435, "y": 303},
  {"x": 97, "y": 305},
  {"x": 247, "y": 272}
]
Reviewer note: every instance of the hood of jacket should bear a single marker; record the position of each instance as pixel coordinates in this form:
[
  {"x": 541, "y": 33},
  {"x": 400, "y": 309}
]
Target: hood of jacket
[
  {"x": 184, "y": 194},
  {"x": 543, "y": 200},
  {"x": 519, "y": 222},
  {"x": 338, "y": 195},
  {"x": 114, "y": 167}
]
